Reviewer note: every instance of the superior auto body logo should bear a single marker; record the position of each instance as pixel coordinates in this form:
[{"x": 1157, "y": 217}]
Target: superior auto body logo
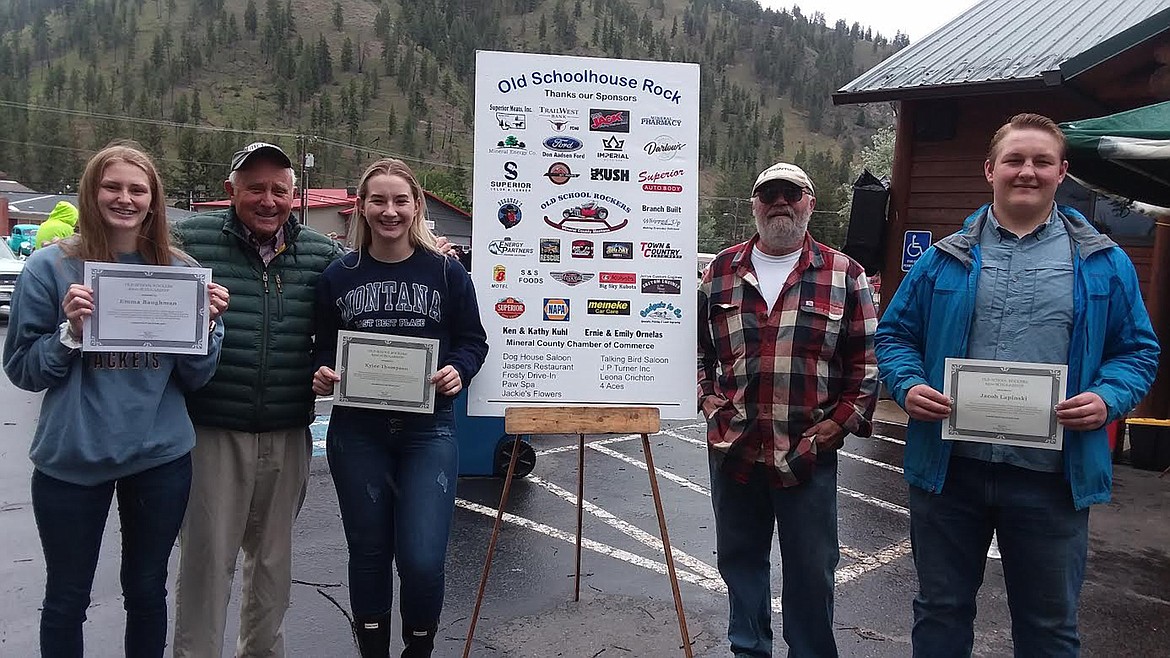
[{"x": 649, "y": 180}]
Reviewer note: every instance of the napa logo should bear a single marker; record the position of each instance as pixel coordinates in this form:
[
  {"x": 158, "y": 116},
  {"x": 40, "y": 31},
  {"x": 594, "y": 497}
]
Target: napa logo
[{"x": 556, "y": 309}]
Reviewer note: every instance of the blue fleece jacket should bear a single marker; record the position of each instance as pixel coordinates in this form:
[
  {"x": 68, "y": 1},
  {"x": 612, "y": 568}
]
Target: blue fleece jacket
[
  {"x": 105, "y": 415},
  {"x": 1113, "y": 350}
]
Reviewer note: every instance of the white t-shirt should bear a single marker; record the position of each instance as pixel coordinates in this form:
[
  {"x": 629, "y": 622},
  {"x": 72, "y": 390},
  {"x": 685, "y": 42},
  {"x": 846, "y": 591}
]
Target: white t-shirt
[{"x": 773, "y": 271}]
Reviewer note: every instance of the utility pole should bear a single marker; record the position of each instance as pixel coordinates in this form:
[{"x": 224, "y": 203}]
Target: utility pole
[{"x": 302, "y": 147}]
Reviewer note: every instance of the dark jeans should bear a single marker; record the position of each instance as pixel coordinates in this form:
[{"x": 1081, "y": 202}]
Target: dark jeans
[
  {"x": 395, "y": 476},
  {"x": 1042, "y": 539},
  {"x": 71, "y": 519},
  {"x": 746, "y": 515}
]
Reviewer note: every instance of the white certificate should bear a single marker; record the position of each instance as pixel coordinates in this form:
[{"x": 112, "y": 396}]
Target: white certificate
[
  {"x": 383, "y": 371},
  {"x": 147, "y": 308},
  {"x": 1004, "y": 402}
]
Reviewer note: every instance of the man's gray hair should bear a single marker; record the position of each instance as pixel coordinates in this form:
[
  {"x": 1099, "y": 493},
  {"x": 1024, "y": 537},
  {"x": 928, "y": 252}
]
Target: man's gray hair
[{"x": 291, "y": 174}]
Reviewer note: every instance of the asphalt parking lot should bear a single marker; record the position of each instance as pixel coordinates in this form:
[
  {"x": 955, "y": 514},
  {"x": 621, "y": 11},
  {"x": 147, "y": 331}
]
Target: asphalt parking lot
[{"x": 626, "y": 608}]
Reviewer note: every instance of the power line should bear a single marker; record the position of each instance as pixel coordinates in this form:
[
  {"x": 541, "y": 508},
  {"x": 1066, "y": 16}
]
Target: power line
[
  {"x": 55, "y": 147},
  {"x": 142, "y": 120},
  {"x": 219, "y": 129}
]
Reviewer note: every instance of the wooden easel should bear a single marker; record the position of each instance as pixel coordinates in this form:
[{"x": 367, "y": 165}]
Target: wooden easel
[{"x": 582, "y": 421}]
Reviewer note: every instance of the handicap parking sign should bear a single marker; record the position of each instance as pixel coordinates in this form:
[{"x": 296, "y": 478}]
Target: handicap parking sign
[{"x": 913, "y": 246}]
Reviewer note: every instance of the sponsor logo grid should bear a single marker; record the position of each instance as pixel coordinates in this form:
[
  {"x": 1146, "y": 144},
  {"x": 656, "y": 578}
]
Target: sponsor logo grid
[{"x": 591, "y": 169}]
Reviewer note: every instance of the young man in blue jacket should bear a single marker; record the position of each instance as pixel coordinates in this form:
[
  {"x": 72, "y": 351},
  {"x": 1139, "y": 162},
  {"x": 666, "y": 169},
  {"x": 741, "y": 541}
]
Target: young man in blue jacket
[{"x": 1022, "y": 281}]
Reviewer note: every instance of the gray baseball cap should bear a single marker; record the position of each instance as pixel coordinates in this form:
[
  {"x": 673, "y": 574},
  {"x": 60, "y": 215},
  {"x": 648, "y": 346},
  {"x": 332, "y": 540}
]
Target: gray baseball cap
[{"x": 273, "y": 151}]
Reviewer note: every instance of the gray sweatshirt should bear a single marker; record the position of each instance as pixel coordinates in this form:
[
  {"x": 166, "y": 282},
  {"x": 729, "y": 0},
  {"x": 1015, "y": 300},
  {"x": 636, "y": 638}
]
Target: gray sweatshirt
[{"x": 105, "y": 415}]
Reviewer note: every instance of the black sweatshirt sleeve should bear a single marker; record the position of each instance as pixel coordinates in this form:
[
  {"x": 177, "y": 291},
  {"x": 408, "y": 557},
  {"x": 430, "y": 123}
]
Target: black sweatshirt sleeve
[
  {"x": 327, "y": 322},
  {"x": 468, "y": 339}
]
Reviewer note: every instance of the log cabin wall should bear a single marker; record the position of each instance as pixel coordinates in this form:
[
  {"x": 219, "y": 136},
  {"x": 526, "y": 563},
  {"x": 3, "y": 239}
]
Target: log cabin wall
[{"x": 940, "y": 151}]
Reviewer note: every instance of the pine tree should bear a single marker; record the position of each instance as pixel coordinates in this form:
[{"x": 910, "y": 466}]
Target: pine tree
[
  {"x": 382, "y": 23},
  {"x": 324, "y": 61},
  {"x": 250, "y": 18},
  {"x": 180, "y": 113},
  {"x": 196, "y": 107},
  {"x": 338, "y": 15},
  {"x": 347, "y": 55}
]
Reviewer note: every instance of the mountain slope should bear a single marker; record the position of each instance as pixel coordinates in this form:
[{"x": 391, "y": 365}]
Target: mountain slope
[{"x": 193, "y": 79}]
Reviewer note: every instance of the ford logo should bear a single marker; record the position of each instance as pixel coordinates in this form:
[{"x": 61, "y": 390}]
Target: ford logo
[{"x": 562, "y": 143}]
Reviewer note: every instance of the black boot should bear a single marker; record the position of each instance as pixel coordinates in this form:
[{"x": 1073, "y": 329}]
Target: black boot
[
  {"x": 373, "y": 636},
  {"x": 419, "y": 643}
]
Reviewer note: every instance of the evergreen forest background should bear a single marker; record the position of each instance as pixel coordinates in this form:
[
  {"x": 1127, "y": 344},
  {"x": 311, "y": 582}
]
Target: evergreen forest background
[{"x": 352, "y": 80}]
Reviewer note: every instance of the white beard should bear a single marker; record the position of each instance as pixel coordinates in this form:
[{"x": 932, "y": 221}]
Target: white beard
[{"x": 783, "y": 232}]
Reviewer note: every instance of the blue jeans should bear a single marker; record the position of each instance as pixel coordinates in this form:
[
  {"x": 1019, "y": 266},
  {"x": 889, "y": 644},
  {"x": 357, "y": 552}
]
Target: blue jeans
[
  {"x": 746, "y": 515},
  {"x": 71, "y": 518},
  {"x": 1042, "y": 540},
  {"x": 395, "y": 476}
]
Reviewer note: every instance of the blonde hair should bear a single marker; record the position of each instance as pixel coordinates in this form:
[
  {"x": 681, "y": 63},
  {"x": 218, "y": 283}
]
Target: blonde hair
[
  {"x": 1027, "y": 121},
  {"x": 419, "y": 235},
  {"x": 93, "y": 241}
]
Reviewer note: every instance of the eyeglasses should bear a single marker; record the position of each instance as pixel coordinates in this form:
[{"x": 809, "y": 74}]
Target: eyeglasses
[{"x": 770, "y": 193}]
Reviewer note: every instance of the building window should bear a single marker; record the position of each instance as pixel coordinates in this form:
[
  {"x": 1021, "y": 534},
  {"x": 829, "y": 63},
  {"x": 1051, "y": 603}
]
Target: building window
[{"x": 1111, "y": 215}]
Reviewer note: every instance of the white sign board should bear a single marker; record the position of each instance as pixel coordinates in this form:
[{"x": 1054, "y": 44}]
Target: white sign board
[{"x": 585, "y": 232}]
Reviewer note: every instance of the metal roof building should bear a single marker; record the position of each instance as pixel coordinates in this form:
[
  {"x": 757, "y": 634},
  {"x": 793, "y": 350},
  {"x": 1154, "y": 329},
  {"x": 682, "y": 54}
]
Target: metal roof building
[
  {"x": 1008, "y": 45},
  {"x": 1069, "y": 60}
]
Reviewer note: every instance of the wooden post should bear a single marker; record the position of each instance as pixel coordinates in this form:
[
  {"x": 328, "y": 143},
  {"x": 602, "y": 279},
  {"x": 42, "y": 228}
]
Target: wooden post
[
  {"x": 582, "y": 421},
  {"x": 1157, "y": 403},
  {"x": 899, "y": 209}
]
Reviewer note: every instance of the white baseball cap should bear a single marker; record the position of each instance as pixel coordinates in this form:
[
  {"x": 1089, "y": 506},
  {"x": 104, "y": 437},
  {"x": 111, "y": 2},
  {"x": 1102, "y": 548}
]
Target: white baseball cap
[{"x": 786, "y": 172}]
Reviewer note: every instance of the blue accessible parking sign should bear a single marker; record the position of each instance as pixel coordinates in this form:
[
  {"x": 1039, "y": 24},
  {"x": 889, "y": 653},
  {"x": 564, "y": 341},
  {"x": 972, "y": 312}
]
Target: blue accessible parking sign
[{"x": 913, "y": 246}]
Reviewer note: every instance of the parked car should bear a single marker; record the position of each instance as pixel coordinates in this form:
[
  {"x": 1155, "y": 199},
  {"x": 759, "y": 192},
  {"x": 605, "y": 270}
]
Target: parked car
[
  {"x": 10, "y": 268},
  {"x": 23, "y": 239}
]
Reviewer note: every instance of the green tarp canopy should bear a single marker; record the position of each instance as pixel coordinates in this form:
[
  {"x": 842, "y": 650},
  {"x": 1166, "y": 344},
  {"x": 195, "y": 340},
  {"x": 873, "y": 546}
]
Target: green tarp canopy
[{"x": 1125, "y": 154}]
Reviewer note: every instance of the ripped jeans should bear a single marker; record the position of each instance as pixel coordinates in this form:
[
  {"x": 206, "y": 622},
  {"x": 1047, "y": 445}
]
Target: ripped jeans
[{"x": 395, "y": 475}]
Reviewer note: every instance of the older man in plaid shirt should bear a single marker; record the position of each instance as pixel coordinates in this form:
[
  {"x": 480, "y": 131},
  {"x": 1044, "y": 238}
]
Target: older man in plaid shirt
[{"x": 786, "y": 370}]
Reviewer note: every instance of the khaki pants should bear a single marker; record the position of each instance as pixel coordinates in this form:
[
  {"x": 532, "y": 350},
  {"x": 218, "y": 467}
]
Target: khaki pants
[{"x": 246, "y": 491}]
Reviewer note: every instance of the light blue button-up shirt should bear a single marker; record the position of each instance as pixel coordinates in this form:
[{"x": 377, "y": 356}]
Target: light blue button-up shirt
[{"x": 1023, "y": 312}]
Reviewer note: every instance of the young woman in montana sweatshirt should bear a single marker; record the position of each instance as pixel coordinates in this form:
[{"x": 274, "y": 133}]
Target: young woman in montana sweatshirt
[
  {"x": 395, "y": 472},
  {"x": 110, "y": 423}
]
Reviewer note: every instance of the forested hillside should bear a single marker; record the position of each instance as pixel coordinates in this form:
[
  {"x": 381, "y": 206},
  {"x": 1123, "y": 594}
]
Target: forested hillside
[{"x": 349, "y": 80}]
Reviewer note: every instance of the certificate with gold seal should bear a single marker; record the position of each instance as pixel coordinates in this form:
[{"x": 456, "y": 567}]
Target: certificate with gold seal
[
  {"x": 384, "y": 371},
  {"x": 1005, "y": 402}
]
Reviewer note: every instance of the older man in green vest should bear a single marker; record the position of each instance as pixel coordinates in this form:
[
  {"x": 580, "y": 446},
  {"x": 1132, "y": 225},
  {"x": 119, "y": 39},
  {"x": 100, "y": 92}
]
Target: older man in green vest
[{"x": 252, "y": 452}]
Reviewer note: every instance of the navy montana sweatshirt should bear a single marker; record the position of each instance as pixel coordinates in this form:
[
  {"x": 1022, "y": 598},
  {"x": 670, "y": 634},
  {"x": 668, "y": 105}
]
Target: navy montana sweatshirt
[{"x": 424, "y": 296}]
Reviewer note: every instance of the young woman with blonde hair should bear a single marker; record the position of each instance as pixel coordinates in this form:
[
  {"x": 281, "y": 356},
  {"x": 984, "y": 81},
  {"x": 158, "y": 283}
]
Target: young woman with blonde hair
[{"x": 395, "y": 472}]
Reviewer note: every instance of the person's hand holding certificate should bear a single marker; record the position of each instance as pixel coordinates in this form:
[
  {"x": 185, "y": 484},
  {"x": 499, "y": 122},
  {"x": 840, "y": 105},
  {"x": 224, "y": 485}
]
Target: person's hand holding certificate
[
  {"x": 381, "y": 371},
  {"x": 145, "y": 308},
  {"x": 1004, "y": 402}
]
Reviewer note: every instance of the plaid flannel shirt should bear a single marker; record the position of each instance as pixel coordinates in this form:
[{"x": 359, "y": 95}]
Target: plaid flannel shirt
[{"x": 765, "y": 378}]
